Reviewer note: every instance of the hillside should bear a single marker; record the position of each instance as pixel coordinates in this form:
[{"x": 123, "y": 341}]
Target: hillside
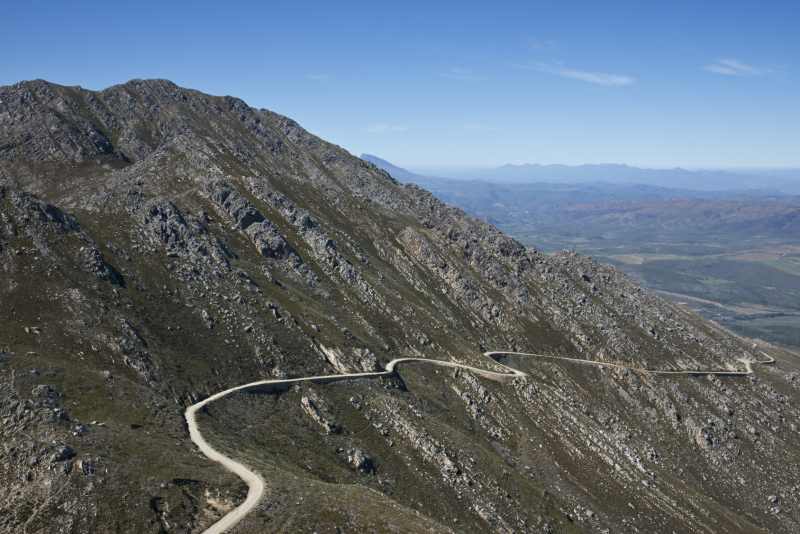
[{"x": 159, "y": 245}]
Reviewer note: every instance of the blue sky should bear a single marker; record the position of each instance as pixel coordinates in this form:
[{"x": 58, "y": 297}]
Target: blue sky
[{"x": 437, "y": 84}]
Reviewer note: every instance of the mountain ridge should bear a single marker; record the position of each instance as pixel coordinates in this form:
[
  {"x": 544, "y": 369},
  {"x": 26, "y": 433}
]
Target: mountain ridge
[{"x": 160, "y": 245}]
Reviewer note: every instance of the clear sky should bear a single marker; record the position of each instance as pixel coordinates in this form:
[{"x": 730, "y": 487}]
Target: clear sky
[{"x": 700, "y": 83}]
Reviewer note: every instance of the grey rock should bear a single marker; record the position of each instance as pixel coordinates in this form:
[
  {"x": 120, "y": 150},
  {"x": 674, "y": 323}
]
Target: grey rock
[
  {"x": 360, "y": 460},
  {"x": 62, "y": 453}
]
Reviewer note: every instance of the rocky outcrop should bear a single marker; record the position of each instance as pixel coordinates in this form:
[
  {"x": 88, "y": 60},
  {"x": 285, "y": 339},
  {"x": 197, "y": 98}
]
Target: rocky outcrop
[
  {"x": 166, "y": 226},
  {"x": 360, "y": 460},
  {"x": 323, "y": 247},
  {"x": 318, "y": 411}
]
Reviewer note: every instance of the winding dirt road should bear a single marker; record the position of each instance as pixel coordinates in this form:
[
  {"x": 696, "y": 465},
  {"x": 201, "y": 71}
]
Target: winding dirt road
[{"x": 254, "y": 481}]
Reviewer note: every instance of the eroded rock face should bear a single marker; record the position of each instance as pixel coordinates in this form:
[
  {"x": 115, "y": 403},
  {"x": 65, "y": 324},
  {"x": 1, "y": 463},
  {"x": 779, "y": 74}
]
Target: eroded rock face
[
  {"x": 270, "y": 243},
  {"x": 134, "y": 352},
  {"x": 158, "y": 245},
  {"x": 167, "y": 226},
  {"x": 229, "y": 201},
  {"x": 317, "y": 410},
  {"x": 93, "y": 262}
]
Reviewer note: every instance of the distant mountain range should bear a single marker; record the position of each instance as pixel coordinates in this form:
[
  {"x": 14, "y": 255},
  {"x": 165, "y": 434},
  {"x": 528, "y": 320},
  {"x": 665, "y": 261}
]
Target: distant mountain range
[
  {"x": 776, "y": 181},
  {"x": 609, "y": 207}
]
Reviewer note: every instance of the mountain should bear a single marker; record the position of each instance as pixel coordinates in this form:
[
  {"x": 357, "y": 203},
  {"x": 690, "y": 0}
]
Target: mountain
[
  {"x": 160, "y": 245},
  {"x": 397, "y": 173}
]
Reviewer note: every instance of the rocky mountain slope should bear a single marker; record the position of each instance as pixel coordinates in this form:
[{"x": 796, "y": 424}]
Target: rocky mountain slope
[{"x": 158, "y": 245}]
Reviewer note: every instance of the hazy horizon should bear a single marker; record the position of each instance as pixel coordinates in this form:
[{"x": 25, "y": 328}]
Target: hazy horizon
[
  {"x": 422, "y": 169},
  {"x": 456, "y": 168}
]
